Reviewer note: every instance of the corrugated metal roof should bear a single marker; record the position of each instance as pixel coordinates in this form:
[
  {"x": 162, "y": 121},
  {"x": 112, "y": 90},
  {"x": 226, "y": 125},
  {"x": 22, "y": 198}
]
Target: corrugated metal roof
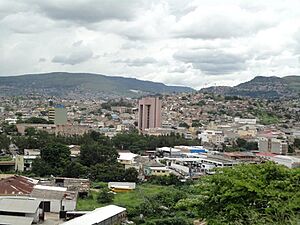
[
  {"x": 19, "y": 204},
  {"x": 15, "y": 220},
  {"x": 96, "y": 216},
  {"x": 16, "y": 185}
]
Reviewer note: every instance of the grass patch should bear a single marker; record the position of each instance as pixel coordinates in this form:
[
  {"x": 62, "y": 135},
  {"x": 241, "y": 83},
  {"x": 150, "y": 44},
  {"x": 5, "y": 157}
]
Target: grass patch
[
  {"x": 128, "y": 199},
  {"x": 6, "y": 158},
  {"x": 266, "y": 118}
]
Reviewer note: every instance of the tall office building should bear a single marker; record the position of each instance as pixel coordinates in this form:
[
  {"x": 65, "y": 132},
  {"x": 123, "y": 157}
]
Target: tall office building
[
  {"x": 58, "y": 115},
  {"x": 149, "y": 113}
]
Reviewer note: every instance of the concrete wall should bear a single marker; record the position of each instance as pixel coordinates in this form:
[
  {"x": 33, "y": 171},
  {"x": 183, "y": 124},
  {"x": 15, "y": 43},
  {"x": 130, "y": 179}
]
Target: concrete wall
[{"x": 35, "y": 216}]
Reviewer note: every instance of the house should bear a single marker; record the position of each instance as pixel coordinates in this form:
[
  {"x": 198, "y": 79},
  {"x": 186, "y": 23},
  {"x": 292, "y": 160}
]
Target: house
[
  {"x": 126, "y": 159},
  {"x": 211, "y": 136},
  {"x": 75, "y": 150},
  {"x": 168, "y": 151},
  {"x": 12, "y": 220},
  {"x": 247, "y": 131},
  {"x": 73, "y": 184},
  {"x": 107, "y": 215},
  {"x": 158, "y": 171},
  {"x": 17, "y": 206},
  {"x": 244, "y": 121},
  {"x": 54, "y": 199},
  {"x": 273, "y": 145},
  {"x": 17, "y": 185}
]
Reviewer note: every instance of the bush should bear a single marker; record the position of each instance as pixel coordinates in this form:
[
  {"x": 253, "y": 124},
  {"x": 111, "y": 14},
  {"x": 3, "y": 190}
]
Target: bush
[{"x": 105, "y": 196}]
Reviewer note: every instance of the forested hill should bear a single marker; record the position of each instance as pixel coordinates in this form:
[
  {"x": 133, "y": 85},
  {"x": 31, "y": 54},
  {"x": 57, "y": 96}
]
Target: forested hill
[
  {"x": 61, "y": 83},
  {"x": 262, "y": 87}
]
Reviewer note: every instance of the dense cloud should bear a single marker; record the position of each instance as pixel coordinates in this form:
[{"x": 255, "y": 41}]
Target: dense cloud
[
  {"x": 195, "y": 43},
  {"x": 87, "y": 11},
  {"x": 212, "y": 62},
  {"x": 78, "y": 55},
  {"x": 137, "y": 62},
  {"x": 222, "y": 21}
]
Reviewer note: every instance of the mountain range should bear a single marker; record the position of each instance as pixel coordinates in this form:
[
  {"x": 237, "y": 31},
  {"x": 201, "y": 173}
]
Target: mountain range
[
  {"x": 261, "y": 87},
  {"x": 87, "y": 84},
  {"x": 64, "y": 84}
]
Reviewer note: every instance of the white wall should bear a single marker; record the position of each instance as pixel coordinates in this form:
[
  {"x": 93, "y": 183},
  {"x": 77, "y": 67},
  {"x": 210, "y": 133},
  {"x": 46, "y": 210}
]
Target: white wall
[
  {"x": 35, "y": 216},
  {"x": 69, "y": 205}
]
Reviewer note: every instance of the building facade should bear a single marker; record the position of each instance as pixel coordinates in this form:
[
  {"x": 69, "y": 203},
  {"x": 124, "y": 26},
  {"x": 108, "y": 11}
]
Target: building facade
[
  {"x": 149, "y": 113},
  {"x": 273, "y": 145}
]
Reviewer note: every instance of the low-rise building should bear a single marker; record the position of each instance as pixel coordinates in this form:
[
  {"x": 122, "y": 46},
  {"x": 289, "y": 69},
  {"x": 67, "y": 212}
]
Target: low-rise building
[
  {"x": 158, "y": 171},
  {"x": 273, "y": 145},
  {"x": 126, "y": 158},
  {"x": 107, "y": 215},
  {"x": 54, "y": 199},
  {"x": 244, "y": 121},
  {"x": 21, "y": 207},
  {"x": 211, "y": 136}
]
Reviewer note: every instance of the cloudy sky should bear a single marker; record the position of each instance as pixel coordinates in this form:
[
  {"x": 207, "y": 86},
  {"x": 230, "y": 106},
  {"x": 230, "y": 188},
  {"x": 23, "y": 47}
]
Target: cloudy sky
[{"x": 182, "y": 42}]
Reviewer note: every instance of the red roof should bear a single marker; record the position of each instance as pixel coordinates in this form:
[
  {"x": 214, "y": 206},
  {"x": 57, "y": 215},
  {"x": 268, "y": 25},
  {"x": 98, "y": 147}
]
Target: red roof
[{"x": 16, "y": 185}]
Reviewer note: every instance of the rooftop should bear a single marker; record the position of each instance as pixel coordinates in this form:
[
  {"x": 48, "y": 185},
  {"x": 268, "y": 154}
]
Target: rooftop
[
  {"x": 19, "y": 204},
  {"x": 126, "y": 156},
  {"x": 51, "y": 192},
  {"x": 13, "y": 220},
  {"x": 16, "y": 185},
  {"x": 96, "y": 216}
]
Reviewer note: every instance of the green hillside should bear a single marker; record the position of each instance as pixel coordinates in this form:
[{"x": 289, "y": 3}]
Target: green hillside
[
  {"x": 60, "y": 83},
  {"x": 293, "y": 82},
  {"x": 261, "y": 87}
]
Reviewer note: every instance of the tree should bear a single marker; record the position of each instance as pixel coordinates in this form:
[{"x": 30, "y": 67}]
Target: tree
[
  {"x": 37, "y": 120},
  {"x": 169, "y": 221},
  {"x": 107, "y": 172},
  {"x": 9, "y": 129},
  {"x": 297, "y": 143},
  {"x": 54, "y": 157},
  {"x": 241, "y": 142},
  {"x": 131, "y": 175},
  {"x": 248, "y": 194},
  {"x": 184, "y": 124},
  {"x": 91, "y": 154},
  {"x": 196, "y": 124},
  {"x": 30, "y": 131},
  {"x": 4, "y": 142},
  {"x": 105, "y": 196},
  {"x": 76, "y": 170},
  {"x": 162, "y": 204}
]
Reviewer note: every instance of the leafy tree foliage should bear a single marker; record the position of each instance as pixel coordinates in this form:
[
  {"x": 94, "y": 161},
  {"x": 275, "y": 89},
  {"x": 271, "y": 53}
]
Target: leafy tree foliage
[
  {"x": 131, "y": 175},
  {"x": 37, "y": 120},
  {"x": 91, "y": 154},
  {"x": 155, "y": 208},
  {"x": 9, "y": 129},
  {"x": 107, "y": 172},
  {"x": 76, "y": 170},
  {"x": 54, "y": 157},
  {"x": 297, "y": 143},
  {"x": 248, "y": 194},
  {"x": 242, "y": 145},
  {"x": 105, "y": 196},
  {"x": 136, "y": 142},
  {"x": 4, "y": 142},
  {"x": 169, "y": 221},
  {"x": 165, "y": 180},
  {"x": 184, "y": 124}
]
